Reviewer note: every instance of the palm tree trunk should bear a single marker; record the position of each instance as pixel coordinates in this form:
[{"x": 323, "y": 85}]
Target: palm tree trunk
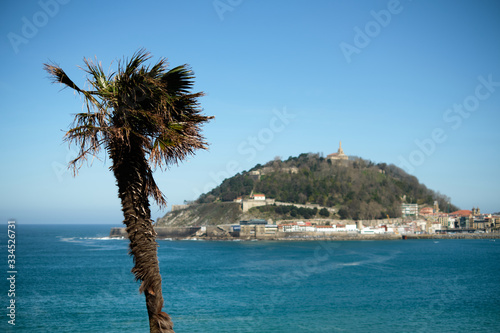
[{"x": 130, "y": 167}]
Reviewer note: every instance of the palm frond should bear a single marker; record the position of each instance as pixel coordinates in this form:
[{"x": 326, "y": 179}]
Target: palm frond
[
  {"x": 98, "y": 79},
  {"x": 87, "y": 133},
  {"x": 138, "y": 58},
  {"x": 57, "y": 75},
  {"x": 179, "y": 80},
  {"x": 138, "y": 104}
]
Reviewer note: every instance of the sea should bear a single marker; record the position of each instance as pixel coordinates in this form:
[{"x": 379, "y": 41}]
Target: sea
[{"x": 74, "y": 278}]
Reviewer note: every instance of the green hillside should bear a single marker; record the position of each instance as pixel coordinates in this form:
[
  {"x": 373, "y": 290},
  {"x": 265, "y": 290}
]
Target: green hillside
[{"x": 358, "y": 189}]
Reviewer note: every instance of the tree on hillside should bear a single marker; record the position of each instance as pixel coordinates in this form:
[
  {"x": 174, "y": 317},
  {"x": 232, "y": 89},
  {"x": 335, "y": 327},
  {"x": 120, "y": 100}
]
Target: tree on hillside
[
  {"x": 324, "y": 212},
  {"x": 144, "y": 117}
]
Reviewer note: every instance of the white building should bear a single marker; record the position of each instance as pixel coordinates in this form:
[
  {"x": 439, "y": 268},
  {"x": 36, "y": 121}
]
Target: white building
[
  {"x": 435, "y": 226},
  {"x": 409, "y": 209},
  {"x": 325, "y": 228},
  {"x": 261, "y": 197},
  {"x": 372, "y": 231},
  {"x": 351, "y": 228}
]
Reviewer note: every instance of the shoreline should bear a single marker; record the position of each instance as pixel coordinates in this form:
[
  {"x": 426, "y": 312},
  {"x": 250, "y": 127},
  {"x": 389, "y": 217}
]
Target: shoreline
[
  {"x": 191, "y": 234},
  {"x": 353, "y": 237}
]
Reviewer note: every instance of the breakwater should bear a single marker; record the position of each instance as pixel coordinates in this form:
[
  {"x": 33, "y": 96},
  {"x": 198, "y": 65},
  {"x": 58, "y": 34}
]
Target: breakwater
[
  {"x": 161, "y": 232},
  {"x": 491, "y": 235}
]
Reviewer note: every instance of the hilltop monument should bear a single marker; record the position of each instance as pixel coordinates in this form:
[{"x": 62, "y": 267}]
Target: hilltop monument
[{"x": 339, "y": 155}]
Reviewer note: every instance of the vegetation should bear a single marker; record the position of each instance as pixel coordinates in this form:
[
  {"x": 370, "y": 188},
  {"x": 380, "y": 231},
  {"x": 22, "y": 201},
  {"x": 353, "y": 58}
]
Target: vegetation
[
  {"x": 143, "y": 117},
  {"x": 230, "y": 189},
  {"x": 324, "y": 212},
  {"x": 358, "y": 188},
  {"x": 293, "y": 212}
]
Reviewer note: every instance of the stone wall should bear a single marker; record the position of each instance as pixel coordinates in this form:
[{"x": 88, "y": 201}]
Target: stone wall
[
  {"x": 162, "y": 232},
  {"x": 179, "y": 207},
  {"x": 247, "y": 204}
]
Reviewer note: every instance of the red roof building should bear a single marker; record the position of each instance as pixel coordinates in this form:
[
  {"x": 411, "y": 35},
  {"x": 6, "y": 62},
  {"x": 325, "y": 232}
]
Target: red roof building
[
  {"x": 259, "y": 197},
  {"x": 462, "y": 212},
  {"x": 426, "y": 211}
]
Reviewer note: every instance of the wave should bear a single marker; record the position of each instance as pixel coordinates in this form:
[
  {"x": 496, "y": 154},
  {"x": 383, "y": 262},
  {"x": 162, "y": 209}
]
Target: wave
[
  {"x": 96, "y": 243},
  {"x": 104, "y": 238},
  {"x": 81, "y": 239}
]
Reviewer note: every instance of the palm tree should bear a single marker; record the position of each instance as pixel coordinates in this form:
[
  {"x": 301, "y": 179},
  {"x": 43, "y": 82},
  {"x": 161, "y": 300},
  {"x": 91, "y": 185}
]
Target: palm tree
[{"x": 144, "y": 117}]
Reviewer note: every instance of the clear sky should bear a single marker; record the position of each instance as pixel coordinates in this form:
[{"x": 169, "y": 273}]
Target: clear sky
[{"x": 412, "y": 83}]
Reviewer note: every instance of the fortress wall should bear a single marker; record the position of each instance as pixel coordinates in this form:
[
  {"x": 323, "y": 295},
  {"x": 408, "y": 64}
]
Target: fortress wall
[{"x": 247, "y": 204}]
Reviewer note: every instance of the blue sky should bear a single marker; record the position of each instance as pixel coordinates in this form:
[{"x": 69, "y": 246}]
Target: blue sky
[{"x": 412, "y": 83}]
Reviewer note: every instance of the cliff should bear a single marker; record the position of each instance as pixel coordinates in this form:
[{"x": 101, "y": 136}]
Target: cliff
[{"x": 203, "y": 214}]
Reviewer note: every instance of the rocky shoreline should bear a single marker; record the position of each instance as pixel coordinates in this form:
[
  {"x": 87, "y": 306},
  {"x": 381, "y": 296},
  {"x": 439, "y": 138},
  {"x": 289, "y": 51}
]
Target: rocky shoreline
[
  {"x": 494, "y": 235},
  {"x": 356, "y": 237}
]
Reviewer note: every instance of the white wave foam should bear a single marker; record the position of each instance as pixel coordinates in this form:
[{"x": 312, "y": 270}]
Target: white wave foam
[{"x": 104, "y": 238}]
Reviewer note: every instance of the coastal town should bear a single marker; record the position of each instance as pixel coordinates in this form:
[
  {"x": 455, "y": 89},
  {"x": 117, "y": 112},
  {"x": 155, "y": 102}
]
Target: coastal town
[
  {"x": 424, "y": 222},
  {"x": 415, "y": 222}
]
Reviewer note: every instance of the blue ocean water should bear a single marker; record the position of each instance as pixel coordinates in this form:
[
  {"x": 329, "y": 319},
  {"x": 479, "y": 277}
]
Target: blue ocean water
[{"x": 72, "y": 278}]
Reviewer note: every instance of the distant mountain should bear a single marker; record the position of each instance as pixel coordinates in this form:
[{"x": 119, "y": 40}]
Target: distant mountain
[{"x": 356, "y": 188}]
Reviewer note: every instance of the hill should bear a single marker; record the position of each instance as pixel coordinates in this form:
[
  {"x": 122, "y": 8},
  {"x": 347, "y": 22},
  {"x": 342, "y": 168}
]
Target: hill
[
  {"x": 355, "y": 188},
  {"x": 215, "y": 213}
]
